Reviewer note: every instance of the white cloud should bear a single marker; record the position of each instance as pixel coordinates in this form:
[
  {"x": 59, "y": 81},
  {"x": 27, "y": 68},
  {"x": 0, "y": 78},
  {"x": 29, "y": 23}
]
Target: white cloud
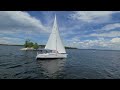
[
  {"x": 109, "y": 27},
  {"x": 100, "y": 43},
  {"x": 95, "y": 43},
  {"x": 115, "y": 40},
  {"x": 68, "y": 33},
  {"x": 108, "y": 34},
  {"x": 9, "y": 40},
  {"x": 93, "y": 16},
  {"x": 18, "y": 21},
  {"x": 88, "y": 44},
  {"x": 113, "y": 44},
  {"x": 75, "y": 39},
  {"x": 14, "y": 23}
]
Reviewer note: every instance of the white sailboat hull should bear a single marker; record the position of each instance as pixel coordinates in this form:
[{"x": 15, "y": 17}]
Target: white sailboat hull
[{"x": 51, "y": 56}]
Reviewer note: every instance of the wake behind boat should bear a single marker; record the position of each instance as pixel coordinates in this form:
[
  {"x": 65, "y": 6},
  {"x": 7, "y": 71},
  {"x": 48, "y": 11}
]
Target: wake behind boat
[{"x": 54, "y": 48}]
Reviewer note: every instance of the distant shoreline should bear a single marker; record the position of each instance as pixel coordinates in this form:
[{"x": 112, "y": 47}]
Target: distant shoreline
[
  {"x": 10, "y": 45},
  {"x": 42, "y": 46}
]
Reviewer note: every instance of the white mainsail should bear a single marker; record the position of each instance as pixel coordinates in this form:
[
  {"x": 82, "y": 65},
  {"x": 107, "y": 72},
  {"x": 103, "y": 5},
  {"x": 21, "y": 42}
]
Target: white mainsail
[{"x": 54, "y": 41}]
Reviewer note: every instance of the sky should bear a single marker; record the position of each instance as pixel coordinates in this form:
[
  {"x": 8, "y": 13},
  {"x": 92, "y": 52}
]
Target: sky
[{"x": 81, "y": 29}]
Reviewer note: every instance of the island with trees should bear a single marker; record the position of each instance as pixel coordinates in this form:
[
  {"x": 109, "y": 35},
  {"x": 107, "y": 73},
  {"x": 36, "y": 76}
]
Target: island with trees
[{"x": 29, "y": 45}]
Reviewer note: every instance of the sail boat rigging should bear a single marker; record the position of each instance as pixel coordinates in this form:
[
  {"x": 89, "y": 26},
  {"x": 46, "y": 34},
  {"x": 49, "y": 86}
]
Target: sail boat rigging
[{"x": 54, "y": 44}]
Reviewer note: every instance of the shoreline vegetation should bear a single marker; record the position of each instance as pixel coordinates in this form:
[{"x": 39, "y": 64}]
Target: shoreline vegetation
[
  {"x": 32, "y": 46},
  {"x": 42, "y": 46}
]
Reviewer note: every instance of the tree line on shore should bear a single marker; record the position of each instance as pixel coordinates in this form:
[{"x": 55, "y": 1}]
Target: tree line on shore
[{"x": 29, "y": 44}]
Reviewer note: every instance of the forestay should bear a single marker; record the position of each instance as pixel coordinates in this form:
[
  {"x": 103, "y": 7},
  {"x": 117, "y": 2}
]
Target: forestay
[{"x": 54, "y": 41}]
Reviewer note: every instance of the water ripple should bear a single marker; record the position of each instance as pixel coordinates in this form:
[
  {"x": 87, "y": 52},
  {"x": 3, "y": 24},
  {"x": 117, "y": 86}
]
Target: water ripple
[
  {"x": 80, "y": 64},
  {"x": 15, "y": 66}
]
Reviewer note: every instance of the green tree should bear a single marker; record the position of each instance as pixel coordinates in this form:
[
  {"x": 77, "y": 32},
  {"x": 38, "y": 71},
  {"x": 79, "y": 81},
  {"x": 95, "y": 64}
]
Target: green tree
[
  {"x": 26, "y": 43},
  {"x": 36, "y": 46},
  {"x": 30, "y": 44}
]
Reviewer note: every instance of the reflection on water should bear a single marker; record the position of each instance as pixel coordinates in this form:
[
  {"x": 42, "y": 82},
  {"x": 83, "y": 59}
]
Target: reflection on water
[{"x": 52, "y": 67}]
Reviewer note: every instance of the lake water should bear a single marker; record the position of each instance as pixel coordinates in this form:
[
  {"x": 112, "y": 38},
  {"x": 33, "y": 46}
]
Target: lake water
[{"x": 80, "y": 64}]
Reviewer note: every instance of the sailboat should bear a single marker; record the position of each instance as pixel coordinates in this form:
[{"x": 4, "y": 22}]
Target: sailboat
[{"x": 54, "y": 47}]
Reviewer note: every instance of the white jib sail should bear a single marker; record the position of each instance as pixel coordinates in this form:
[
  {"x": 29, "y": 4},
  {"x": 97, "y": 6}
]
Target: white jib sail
[{"x": 54, "y": 41}]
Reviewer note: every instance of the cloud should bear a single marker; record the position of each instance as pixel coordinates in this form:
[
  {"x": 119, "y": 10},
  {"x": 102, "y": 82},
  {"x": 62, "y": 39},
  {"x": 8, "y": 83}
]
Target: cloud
[
  {"x": 109, "y": 27},
  {"x": 9, "y": 40},
  {"x": 93, "y": 16},
  {"x": 109, "y": 30},
  {"x": 115, "y": 40},
  {"x": 18, "y": 21},
  {"x": 74, "y": 39},
  {"x": 115, "y": 43},
  {"x": 100, "y": 43},
  {"x": 19, "y": 24},
  {"x": 107, "y": 34}
]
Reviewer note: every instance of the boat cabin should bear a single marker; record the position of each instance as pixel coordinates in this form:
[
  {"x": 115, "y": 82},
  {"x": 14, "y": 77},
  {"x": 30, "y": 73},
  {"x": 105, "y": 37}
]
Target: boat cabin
[{"x": 47, "y": 51}]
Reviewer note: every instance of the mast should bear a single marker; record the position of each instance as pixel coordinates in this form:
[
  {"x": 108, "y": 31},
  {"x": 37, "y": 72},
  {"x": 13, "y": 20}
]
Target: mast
[
  {"x": 54, "y": 41},
  {"x": 55, "y": 33}
]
